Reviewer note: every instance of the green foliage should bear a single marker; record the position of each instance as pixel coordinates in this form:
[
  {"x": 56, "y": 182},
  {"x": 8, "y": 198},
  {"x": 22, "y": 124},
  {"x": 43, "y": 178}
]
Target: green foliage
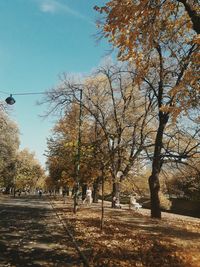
[
  {"x": 186, "y": 184},
  {"x": 28, "y": 170},
  {"x": 62, "y": 152},
  {"x": 9, "y": 144}
]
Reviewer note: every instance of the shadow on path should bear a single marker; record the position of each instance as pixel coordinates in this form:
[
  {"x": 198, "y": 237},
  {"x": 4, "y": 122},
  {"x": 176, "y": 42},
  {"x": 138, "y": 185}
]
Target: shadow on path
[{"x": 30, "y": 235}]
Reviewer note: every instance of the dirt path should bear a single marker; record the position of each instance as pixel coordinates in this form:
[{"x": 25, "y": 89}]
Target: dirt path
[{"x": 31, "y": 235}]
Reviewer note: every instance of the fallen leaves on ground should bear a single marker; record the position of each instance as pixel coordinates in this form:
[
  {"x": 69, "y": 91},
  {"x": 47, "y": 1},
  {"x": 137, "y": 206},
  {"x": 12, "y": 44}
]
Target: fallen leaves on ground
[{"x": 132, "y": 239}]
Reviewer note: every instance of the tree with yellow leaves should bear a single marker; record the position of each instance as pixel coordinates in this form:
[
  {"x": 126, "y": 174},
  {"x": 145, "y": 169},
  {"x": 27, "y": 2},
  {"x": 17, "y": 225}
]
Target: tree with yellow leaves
[
  {"x": 116, "y": 113},
  {"x": 62, "y": 151},
  {"x": 160, "y": 39},
  {"x": 29, "y": 173}
]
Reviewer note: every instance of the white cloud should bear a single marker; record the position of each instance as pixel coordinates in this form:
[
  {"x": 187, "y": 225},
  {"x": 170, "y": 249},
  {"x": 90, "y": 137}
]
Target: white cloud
[
  {"x": 48, "y": 7},
  {"x": 54, "y": 6}
]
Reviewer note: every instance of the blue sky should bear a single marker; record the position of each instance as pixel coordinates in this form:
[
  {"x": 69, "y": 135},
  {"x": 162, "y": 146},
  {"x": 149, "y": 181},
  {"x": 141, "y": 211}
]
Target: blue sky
[{"x": 40, "y": 39}]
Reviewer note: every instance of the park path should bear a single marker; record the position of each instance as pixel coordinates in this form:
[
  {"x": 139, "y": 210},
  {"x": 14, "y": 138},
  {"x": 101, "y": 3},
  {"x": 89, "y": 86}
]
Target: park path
[{"x": 32, "y": 235}]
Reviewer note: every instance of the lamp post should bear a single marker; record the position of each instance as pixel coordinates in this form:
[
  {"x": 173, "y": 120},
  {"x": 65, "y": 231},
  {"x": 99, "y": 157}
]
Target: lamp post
[
  {"x": 11, "y": 101},
  {"x": 78, "y": 153}
]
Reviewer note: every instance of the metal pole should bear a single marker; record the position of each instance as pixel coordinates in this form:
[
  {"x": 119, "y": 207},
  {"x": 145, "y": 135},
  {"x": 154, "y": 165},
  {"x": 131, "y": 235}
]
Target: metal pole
[{"x": 78, "y": 156}]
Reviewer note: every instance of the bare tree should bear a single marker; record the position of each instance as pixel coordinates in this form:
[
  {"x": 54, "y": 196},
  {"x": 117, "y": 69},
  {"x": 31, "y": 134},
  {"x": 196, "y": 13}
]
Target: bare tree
[{"x": 115, "y": 105}]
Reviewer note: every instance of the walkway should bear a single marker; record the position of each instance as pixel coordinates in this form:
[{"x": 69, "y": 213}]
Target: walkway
[{"x": 32, "y": 235}]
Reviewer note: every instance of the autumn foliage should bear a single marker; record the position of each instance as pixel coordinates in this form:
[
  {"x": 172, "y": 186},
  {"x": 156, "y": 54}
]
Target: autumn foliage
[{"x": 159, "y": 38}]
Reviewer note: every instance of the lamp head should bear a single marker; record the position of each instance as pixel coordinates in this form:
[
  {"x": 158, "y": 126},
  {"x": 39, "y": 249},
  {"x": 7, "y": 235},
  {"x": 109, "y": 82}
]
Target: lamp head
[{"x": 10, "y": 100}]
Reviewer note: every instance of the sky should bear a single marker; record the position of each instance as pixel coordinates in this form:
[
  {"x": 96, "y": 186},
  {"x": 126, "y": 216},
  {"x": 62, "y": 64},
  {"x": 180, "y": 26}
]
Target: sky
[{"x": 39, "y": 40}]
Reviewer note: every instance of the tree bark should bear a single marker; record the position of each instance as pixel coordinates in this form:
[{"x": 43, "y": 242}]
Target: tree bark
[
  {"x": 154, "y": 184},
  {"x": 75, "y": 198},
  {"x": 115, "y": 193},
  {"x": 95, "y": 191},
  {"x": 102, "y": 203},
  {"x": 67, "y": 191},
  {"x": 154, "y": 187},
  {"x": 84, "y": 189}
]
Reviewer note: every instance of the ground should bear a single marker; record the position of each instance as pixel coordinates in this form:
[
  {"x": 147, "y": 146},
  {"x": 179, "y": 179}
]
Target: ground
[
  {"x": 32, "y": 235},
  {"x": 132, "y": 238},
  {"x": 44, "y": 232}
]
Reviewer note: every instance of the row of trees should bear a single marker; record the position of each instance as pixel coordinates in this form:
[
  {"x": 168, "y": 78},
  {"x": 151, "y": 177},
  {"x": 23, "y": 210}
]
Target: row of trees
[
  {"x": 147, "y": 110},
  {"x": 111, "y": 117},
  {"x": 118, "y": 130},
  {"x": 18, "y": 168},
  {"x": 160, "y": 38}
]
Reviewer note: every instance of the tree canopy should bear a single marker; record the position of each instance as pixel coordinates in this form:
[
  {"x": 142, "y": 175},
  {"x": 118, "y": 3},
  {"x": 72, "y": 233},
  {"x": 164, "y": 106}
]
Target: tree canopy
[{"x": 142, "y": 29}]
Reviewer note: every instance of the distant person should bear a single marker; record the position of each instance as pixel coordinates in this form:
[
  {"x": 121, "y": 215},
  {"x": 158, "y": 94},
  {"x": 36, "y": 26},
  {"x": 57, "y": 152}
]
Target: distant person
[
  {"x": 88, "y": 198},
  {"x": 64, "y": 194},
  {"x": 133, "y": 203},
  {"x": 116, "y": 203},
  {"x": 40, "y": 193}
]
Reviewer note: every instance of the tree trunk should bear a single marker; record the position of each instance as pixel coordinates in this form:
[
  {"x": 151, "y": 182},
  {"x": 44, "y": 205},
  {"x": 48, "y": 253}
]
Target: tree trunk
[
  {"x": 115, "y": 194},
  {"x": 102, "y": 204},
  {"x": 95, "y": 191},
  {"x": 84, "y": 189},
  {"x": 154, "y": 187},
  {"x": 75, "y": 198},
  {"x": 67, "y": 191},
  {"x": 154, "y": 184}
]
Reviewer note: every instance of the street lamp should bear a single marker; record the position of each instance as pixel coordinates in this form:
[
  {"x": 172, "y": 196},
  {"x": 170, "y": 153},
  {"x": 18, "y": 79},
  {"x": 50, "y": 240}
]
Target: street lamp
[
  {"x": 10, "y": 100},
  {"x": 78, "y": 153}
]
